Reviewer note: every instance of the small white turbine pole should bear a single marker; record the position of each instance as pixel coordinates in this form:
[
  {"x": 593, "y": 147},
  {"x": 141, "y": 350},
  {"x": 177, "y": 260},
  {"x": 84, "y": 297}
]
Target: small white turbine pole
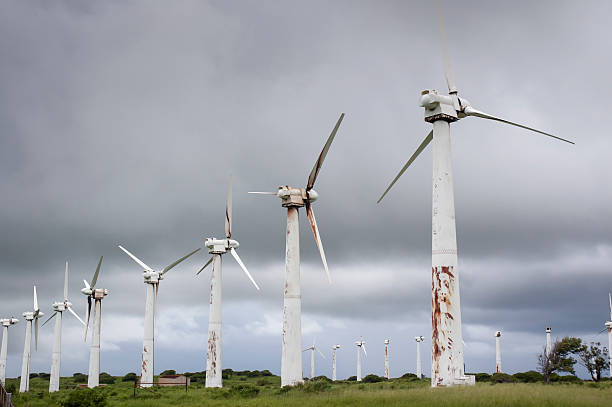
[
  {"x": 334, "y": 348},
  {"x": 148, "y": 343},
  {"x": 609, "y": 328},
  {"x": 56, "y": 355},
  {"x": 548, "y": 343},
  {"x": 418, "y": 340},
  {"x": 386, "y": 358},
  {"x": 93, "y": 379},
  {"x": 360, "y": 345},
  {"x": 214, "y": 354},
  {"x": 312, "y": 367},
  {"x": 498, "y": 364},
  {"x": 24, "y": 383},
  {"x": 5, "y": 326}
]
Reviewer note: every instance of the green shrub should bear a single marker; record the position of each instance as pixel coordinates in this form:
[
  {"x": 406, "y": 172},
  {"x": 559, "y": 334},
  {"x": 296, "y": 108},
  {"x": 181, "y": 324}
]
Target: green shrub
[
  {"x": 33, "y": 375},
  {"x": 569, "y": 379},
  {"x": 325, "y": 378},
  {"x": 244, "y": 390},
  {"x": 130, "y": 377},
  {"x": 372, "y": 378},
  {"x": 45, "y": 376},
  {"x": 482, "y": 377},
  {"x": 105, "y": 378},
  {"x": 352, "y": 379},
  {"x": 84, "y": 398},
  {"x": 529, "y": 377},
  {"x": 315, "y": 386},
  {"x": 168, "y": 372},
  {"x": 11, "y": 388},
  {"x": 502, "y": 378},
  {"x": 409, "y": 376},
  {"x": 79, "y": 377}
]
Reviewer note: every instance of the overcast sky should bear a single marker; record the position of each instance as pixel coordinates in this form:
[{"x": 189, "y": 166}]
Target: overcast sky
[{"x": 120, "y": 122}]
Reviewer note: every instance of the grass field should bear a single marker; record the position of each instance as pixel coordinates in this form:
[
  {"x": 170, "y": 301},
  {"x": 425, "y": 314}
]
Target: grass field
[{"x": 265, "y": 391}]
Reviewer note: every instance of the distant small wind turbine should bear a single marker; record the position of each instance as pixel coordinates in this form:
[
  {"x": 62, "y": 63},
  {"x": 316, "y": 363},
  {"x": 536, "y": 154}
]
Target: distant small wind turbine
[
  {"x": 334, "y": 349},
  {"x": 448, "y": 366},
  {"x": 548, "y": 341},
  {"x": 6, "y": 322},
  {"x": 609, "y": 328},
  {"x": 97, "y": 294},
  {"x": 386, "y": 358},
  {"x": 498, "y": 365},
  {"x": 360, "y": 346},
  {"x": 418, "y": 340},
  {"x": 34, "y": 315},
  {"x": 313, "y": 348},
  {"x": 218, "y": 247},
  {"x": 151, "y": 279},
  {"x": 293, "y": 199},
  {"x": 59, "y": 308}
]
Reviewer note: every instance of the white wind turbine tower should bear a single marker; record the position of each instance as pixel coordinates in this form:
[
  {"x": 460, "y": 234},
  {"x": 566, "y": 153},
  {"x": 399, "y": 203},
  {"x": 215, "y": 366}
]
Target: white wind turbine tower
[
  {"x": 34, "y": 315},
  {"x": 609, "y": 328},
  {"x": 334, "y": 349},
  {"x": 292, "y": 199},
  {"x": 548, "y": 341},
  {"x": 441, "y": 110},
  {"x": 360, "y": 346},
  {"x": 6, "y": 322},
  {"x": 498, "y": 365},
  {"x": 387, "y": 358},
  {"x": 59, "y": 308},
  {"x": 418, "y": 340},
  {"x": 97, "y": 294},
  {"x": 218, "y": 247},
  {"x": 151, "y": 279},
  {"x": 313, "y": 348}
]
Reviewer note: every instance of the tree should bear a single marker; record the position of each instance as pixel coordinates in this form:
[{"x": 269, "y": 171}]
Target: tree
[
  {"x": 559, "y": 359},
  {"x": 594, "y": 358}
]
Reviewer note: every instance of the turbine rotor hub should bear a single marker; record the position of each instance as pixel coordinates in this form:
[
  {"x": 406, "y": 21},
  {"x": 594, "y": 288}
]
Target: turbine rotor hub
[
  {"x": 220, "y": 246},
  {"x": 296, "y": 197},
  {"x": 151, "y": 277},
  {"x": 437, "y": 107}
]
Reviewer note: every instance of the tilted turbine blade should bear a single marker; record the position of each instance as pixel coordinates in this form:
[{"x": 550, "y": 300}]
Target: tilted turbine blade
[
  {"x": 35, "y": 302},
  {"x": 136, "y": 259},
  {"x": 243, "y": 267},
  {"x": 49, "y": 319},
  {"x": 36, "y": 333},
  {"x": 75, "y": 315},
  {"x": 86, "y": 284},
  {"x": 405, "y": 167},
  {"x": 306, "y": 349},
  {"x": 320, "y": 353},
  {"x": 364, "y": 350},
  {"x": 204, "y": 266},
  {"x": 88, "y": 315},
  {"x": 317, "y": 167},
  {"x": 602, "y": 331},
  {"x": 448, "y": 72},
  {"x": 95, "y": 277},
  {"x": 66, "y": 283},
  {"x": 261, "y": 193},
  {"x": 470, "y": 111},
  {"x": 171, "y": 266},
  {"x": 317, "y": 237},
  {"x": 228, "y": 210}
]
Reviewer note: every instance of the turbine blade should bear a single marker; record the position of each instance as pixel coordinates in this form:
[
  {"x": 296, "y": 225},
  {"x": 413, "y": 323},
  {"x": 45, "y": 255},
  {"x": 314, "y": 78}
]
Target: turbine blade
[
  {"x": 470, "y": 111},
  {"x": 306, "y": 349},
  {"x": 261, "y": 193},
  {"x": 66, "y": 283},
  {"x": 610, "y": 297},
  {"x": 448, "y": 72},
  {"x": 136, "y": 259},
  {"x": 602, "y": 331},
  {"x": 320, "y": 353},
  {"x": 228, "y": 210},
  {"x": 171, "y": 265},
  {"x": 86, "y": 284},
  {"x": 95, "y": 277},
  {"x": 317, "y": 167},
  {"x": 36, "y": 333},
  {"x": 243, "y": 267},
  {"x": 204, "y": 266},
  {"x": 364, "y": 350},
  {"x": 317, "y": 237},
  {"x": 88, "y": 315},
  {"x": 35, "y": 301},
  {"x": 418, "y": 151},
  {"x": 75, "y": 315},
  {"x": 49, "y": 319}
]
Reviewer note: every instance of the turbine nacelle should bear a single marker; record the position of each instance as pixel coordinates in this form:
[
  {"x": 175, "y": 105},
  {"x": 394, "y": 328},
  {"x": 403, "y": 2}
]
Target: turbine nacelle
[
  {"x": 387, "y": 341},
  {"x": 8, "y": 321},
  {"x": 61, "y": 306},
  {"x": 419, "y": 338},
  {"x": 497, "y": 334},
  {"x": 548, "y": 330},
  {"x": 336, "y": 347},
  {"x": 220, "y": 246},
  {"x": 31, "y": 315},
  {"x": 151, "y": 276},
  {"x": 296, "y": 197}
]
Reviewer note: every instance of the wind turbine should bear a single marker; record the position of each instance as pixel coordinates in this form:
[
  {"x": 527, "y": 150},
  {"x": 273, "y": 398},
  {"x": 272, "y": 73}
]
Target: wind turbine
[
  {"x": 360, "y": 346},
  {"x": 34, "y": 315},
  {"x": 441, "y": 110},
  {"x": 387, "y": 358},
  {"x": 548, "y": 342},
  {"x": 59, "y": 308},
  {"x": 313, "y": 348},
  {"x": 97, "y": 294},
  {"x": 334, "y": 349},
  {"x": 292, "y": 199},
  {"x": 498, "y": 365},
  {"x": 609, "y": 328},
  {"x": 151, "y": 279},
  {"x": 218, "y": 247},
  {"x": 6, "y": 322},
  {"x": 418, "y": 340}
]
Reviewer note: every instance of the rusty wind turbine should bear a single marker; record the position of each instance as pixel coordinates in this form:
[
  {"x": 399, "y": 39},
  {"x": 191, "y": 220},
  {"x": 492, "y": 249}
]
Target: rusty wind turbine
[
  {"x": 609, "y": 329},
  {"x": 498, "y": 365},
  {"x": 34, "y": 315},
  {"x": 58, "y": 310},
  {"x": 218, "y": 247},
  {"x": 387, "y": 358},
  {"x": 6, "y": 322},
  {"x": 441, "y": 111},
  {"x": 293, "y": 199},
  {"x": 151, "y": 279},
  {"x": 312, "y": 350},
  {"x": 97, "y": 294}
]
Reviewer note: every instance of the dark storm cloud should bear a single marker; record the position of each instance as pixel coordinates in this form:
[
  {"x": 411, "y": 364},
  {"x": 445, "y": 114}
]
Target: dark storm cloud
[{"x": 120, "y": 123}]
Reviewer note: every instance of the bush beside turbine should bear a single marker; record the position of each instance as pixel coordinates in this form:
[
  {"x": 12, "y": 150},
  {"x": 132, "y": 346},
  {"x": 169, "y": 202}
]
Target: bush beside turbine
[
  {"x": 293, "y": 199},
  {"x": 218, "y": 247},
  {"x": 151, "y": 279}
]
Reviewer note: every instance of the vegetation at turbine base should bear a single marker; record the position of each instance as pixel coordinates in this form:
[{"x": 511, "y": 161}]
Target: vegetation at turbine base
[{"x": 250, "y": 388}]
